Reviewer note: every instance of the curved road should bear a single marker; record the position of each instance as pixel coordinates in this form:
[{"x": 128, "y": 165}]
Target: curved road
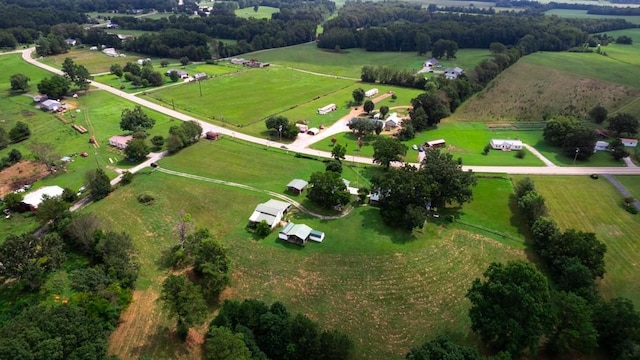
[{"x": 529, "y": 170}]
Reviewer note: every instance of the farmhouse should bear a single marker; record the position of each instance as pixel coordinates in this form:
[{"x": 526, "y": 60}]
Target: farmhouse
[
  {"x": 370, "y": 93},
  {"x": 629, "y": 142},
  {"x": 435, "y": 143},
  {"x": 601, "y": 145},
  {"x": 272, "y": 212},
  {"x": 453, "y": 73},
  {"x": 299, "y": 234},
  {"x": 110, "y": 52},
  {"x": 120, "y": 141},
  {"x": 50, "y": 105},
  {"x": 327, "y": 109},
  {"x": 506, "y": 145},
  {"x": 33, "y": 199},
  {"x": 297, "y": 186},
  {"x": 199, "y": 76},
  {"x": 431, "y": 62}
]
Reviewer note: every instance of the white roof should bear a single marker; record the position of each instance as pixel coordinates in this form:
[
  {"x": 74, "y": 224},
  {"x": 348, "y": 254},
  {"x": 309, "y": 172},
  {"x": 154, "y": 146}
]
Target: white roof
[
  {"x": 314, "y": 130},
  {"x": 35, "y": 198},
  {"x": 601, "y": 143},
  {"x": 502, "y": 141}
]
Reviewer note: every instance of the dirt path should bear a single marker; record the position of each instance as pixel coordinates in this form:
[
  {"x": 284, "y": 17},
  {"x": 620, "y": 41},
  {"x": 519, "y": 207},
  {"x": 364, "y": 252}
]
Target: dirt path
[{"x": 251, "y": 188}]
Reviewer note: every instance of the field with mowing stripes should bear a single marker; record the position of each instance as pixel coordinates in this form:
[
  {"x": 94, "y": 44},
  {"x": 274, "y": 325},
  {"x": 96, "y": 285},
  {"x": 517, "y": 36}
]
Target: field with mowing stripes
[{"x": 596, "y": 206}]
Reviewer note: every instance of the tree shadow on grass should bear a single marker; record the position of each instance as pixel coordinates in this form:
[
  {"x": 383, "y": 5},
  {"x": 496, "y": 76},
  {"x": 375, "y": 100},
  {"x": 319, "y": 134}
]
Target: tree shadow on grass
[
  {"x": 161, "y": 340},
  {"x": 372, "y": 220}
]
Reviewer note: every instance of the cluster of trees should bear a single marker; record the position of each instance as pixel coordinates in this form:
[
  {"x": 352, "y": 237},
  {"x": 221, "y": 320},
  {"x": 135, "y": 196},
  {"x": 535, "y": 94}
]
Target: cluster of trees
[
  {"x": 570, "y": 318},
  {"x": 183, "y": 135},
  {"x": 78, "y": 74},
  {"x": 78, "y": 321},
  {"x": 406, "y": 27},
  {"x": 281, "y": 127},
  {"x": 139, "y": 76},
  {"x": 387, "y": 75},
  {"x": 568, "y": 133},
  {"x": 55, "y": 87},
  {"x": 327, "y": 189},
  {"x": 122, "y": 6},
  {"x": 19, "y": 132},
  {"x": 253, "y": 330},
  {"x": 19, "y": 82},
  {"x": 408, "y": 192},
  {"x": 363, "y": 127},
  {"x": 186, "y": 298},
  {"x": 173, "y": 43},
  {"x": 13, "y": 157}
]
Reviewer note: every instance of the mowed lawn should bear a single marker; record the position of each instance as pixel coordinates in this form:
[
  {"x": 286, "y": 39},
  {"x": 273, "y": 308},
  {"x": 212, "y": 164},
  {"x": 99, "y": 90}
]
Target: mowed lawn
[
  {"x": 95, "y": 61},
  {"x": 631, "y": 183},
  {"x": 264, "y": 12},
  {"x": 465, "y": 140},
  {"x": 349, "y": 62},
  {"x": 388, "y": 289},
  {"x": 591, "y": 205},
  {"x": 248, "y": 97}
]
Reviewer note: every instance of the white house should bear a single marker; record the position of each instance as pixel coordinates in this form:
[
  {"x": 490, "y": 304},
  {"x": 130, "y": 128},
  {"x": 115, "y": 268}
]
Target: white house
[
  {"x": 33, "y": 199},
  {"x": 370, "y": 93},
  {"x": 93, "y": 48},
  {"x": 120, "y": 141},
  {"x": 629, "y": 142},
  {"x": 506, "y": 145},
  {"x": 71, "y": 42},
  {"x": 327, "y": 109},
  {"x": 143, "y": 61},
  {"x": 272, "y": 212},
  {"x": 392, "y": 121},
  {"x": 431, "y": 62},
  {"x": 601, "y": 145}
]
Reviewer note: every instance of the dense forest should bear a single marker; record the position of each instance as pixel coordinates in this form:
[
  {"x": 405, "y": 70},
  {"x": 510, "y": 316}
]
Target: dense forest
[{"x": 400, "y": 26}]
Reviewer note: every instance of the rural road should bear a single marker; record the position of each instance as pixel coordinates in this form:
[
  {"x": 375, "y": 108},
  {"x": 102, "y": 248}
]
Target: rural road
[{"x": 546, "y": 170}]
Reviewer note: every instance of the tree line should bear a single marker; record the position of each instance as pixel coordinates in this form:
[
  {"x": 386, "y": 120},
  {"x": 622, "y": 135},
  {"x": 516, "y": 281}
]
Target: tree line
[{"x": 399, "y": 27}]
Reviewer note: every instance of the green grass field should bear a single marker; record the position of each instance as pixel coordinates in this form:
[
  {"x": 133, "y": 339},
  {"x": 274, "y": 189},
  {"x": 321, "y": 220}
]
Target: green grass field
[
  {"x": 128, "y": 32},
  {"x": 349, "y": 62},
  {"x": 95, "y": 61},
  {"x": 606, "y": 68},
  {"x": 273, "y": 90},
  {"x": 264, "y": 12},
  {"x": 385, "y": 288},
  {"x": 582, "y": 14},
  {"x": 596, "y": 206},
  {"x": 631, "y": 183}
]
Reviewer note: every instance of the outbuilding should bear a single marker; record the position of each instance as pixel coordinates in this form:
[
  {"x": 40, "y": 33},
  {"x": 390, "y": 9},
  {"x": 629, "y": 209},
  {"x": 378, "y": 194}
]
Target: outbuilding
[
  {"x": 299, "y": 234},
  {"x": 120, "y": 141},
  {"x": 629, "y": 142},
  {"x": 211, "y": 135},
  {"x": 297, "y": 186},
  {"x": 436, "y": 143},
  {"x": 271, "y": 211},
  {"x": 50, "y": 105},
  {"x": 313, "y": 131},
  {"x": 601, "y": 145},
  {"x": 371, "y": 92},
  {"x": 327, "y": 109}
]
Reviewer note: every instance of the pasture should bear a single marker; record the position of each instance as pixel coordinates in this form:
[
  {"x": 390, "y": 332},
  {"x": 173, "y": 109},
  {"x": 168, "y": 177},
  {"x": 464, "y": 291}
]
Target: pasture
[
  {"x": 349, "y": 62},
  {"x": 95, "y": 61},
  {"x": 388, "y": 289},
  {"x": 631, "y": 183},
  {"x": 596, "y": 206},
  {"x": 582, "y": 14},
  {"x": 264, "y": 12},
  {"x": 246, "y": 98}
]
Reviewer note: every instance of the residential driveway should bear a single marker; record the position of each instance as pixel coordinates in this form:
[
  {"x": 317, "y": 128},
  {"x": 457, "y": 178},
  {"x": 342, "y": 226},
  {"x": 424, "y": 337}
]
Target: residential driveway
[
  {"x": 557, "y": 170},
  {"x": 537, "y": 154}
]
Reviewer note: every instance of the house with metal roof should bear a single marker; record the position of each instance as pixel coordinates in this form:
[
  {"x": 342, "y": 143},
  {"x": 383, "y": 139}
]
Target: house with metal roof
[
  {"x": 50, "y": 105},
  {"x": 299, "y": 234},
  {"x": 297, "y": 186},
  {"x": 33, "y": 199},
  {"x": 271, "y": 211}
]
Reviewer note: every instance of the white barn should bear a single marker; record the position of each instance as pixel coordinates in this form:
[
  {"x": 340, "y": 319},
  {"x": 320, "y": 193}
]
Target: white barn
[
  {"x": 506, "y": 145},
  {"x": 327, "y": 109}
]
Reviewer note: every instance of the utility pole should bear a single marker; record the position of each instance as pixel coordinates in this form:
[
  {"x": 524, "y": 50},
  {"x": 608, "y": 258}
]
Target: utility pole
[
  {"x": 200, "y": 86},
  {"x": 575, "y": 157}
]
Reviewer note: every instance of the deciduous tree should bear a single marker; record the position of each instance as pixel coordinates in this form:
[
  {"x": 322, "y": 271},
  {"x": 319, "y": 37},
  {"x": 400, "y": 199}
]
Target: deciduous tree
[
  {"x": 598, "y": 114},
  {"x": 55, "y": 87},
  {"x": 212, "y": 265},
  {"x": 19, "y": 132},
  {"x": 368, "y": 106},
  {"x": 618, "y": 325},
  {"x": 338, "y": 152},
  {"x": 97, "y": 182},
  {"x": 136, "y": 149},
  {"x": 327, "y": 189},
  {"x": 135, "y": 120},
  {"x": 30, "y": 258},
  {"x": 623, "y": 123},
  {"x": 183, "y": 300},
  {"x": 442, "y": 348},
  {"x": 573, "y": 326},
  {"x": 387, "y": 150},
  {"x": 19, "y": 82},
  {"x": 222, "y": 344},
  {"x": 449, "y": 182},
  {"x": 358, "y": 95},
  {"x": 510, "y": 308}
]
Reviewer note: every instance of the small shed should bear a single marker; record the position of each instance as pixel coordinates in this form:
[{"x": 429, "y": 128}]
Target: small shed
[
  {"x": 200, "y": 76},
  {"x": 211, "y": 135},
  {"x": 313, "y": 131},
  {"x": 50, "y": 105},
  {"x": 601, "y": 145},
  {"x": 371, "y": 92},
  {"x": 629, "y": 142},
  {"x": 316, "y": 236},
  {"x": 120, "y": 141},
  {"x": 40, "y": 97},
  {"x": 297, "y": 186}
]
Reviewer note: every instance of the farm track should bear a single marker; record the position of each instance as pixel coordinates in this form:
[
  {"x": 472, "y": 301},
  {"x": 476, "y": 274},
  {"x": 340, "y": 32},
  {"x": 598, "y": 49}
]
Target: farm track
[{"x": 251, "y": 188}]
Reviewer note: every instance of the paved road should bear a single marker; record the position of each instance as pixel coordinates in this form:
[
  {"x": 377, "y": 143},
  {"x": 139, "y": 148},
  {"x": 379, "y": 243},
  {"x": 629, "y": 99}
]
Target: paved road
[{"x": 26, "y": 55}]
